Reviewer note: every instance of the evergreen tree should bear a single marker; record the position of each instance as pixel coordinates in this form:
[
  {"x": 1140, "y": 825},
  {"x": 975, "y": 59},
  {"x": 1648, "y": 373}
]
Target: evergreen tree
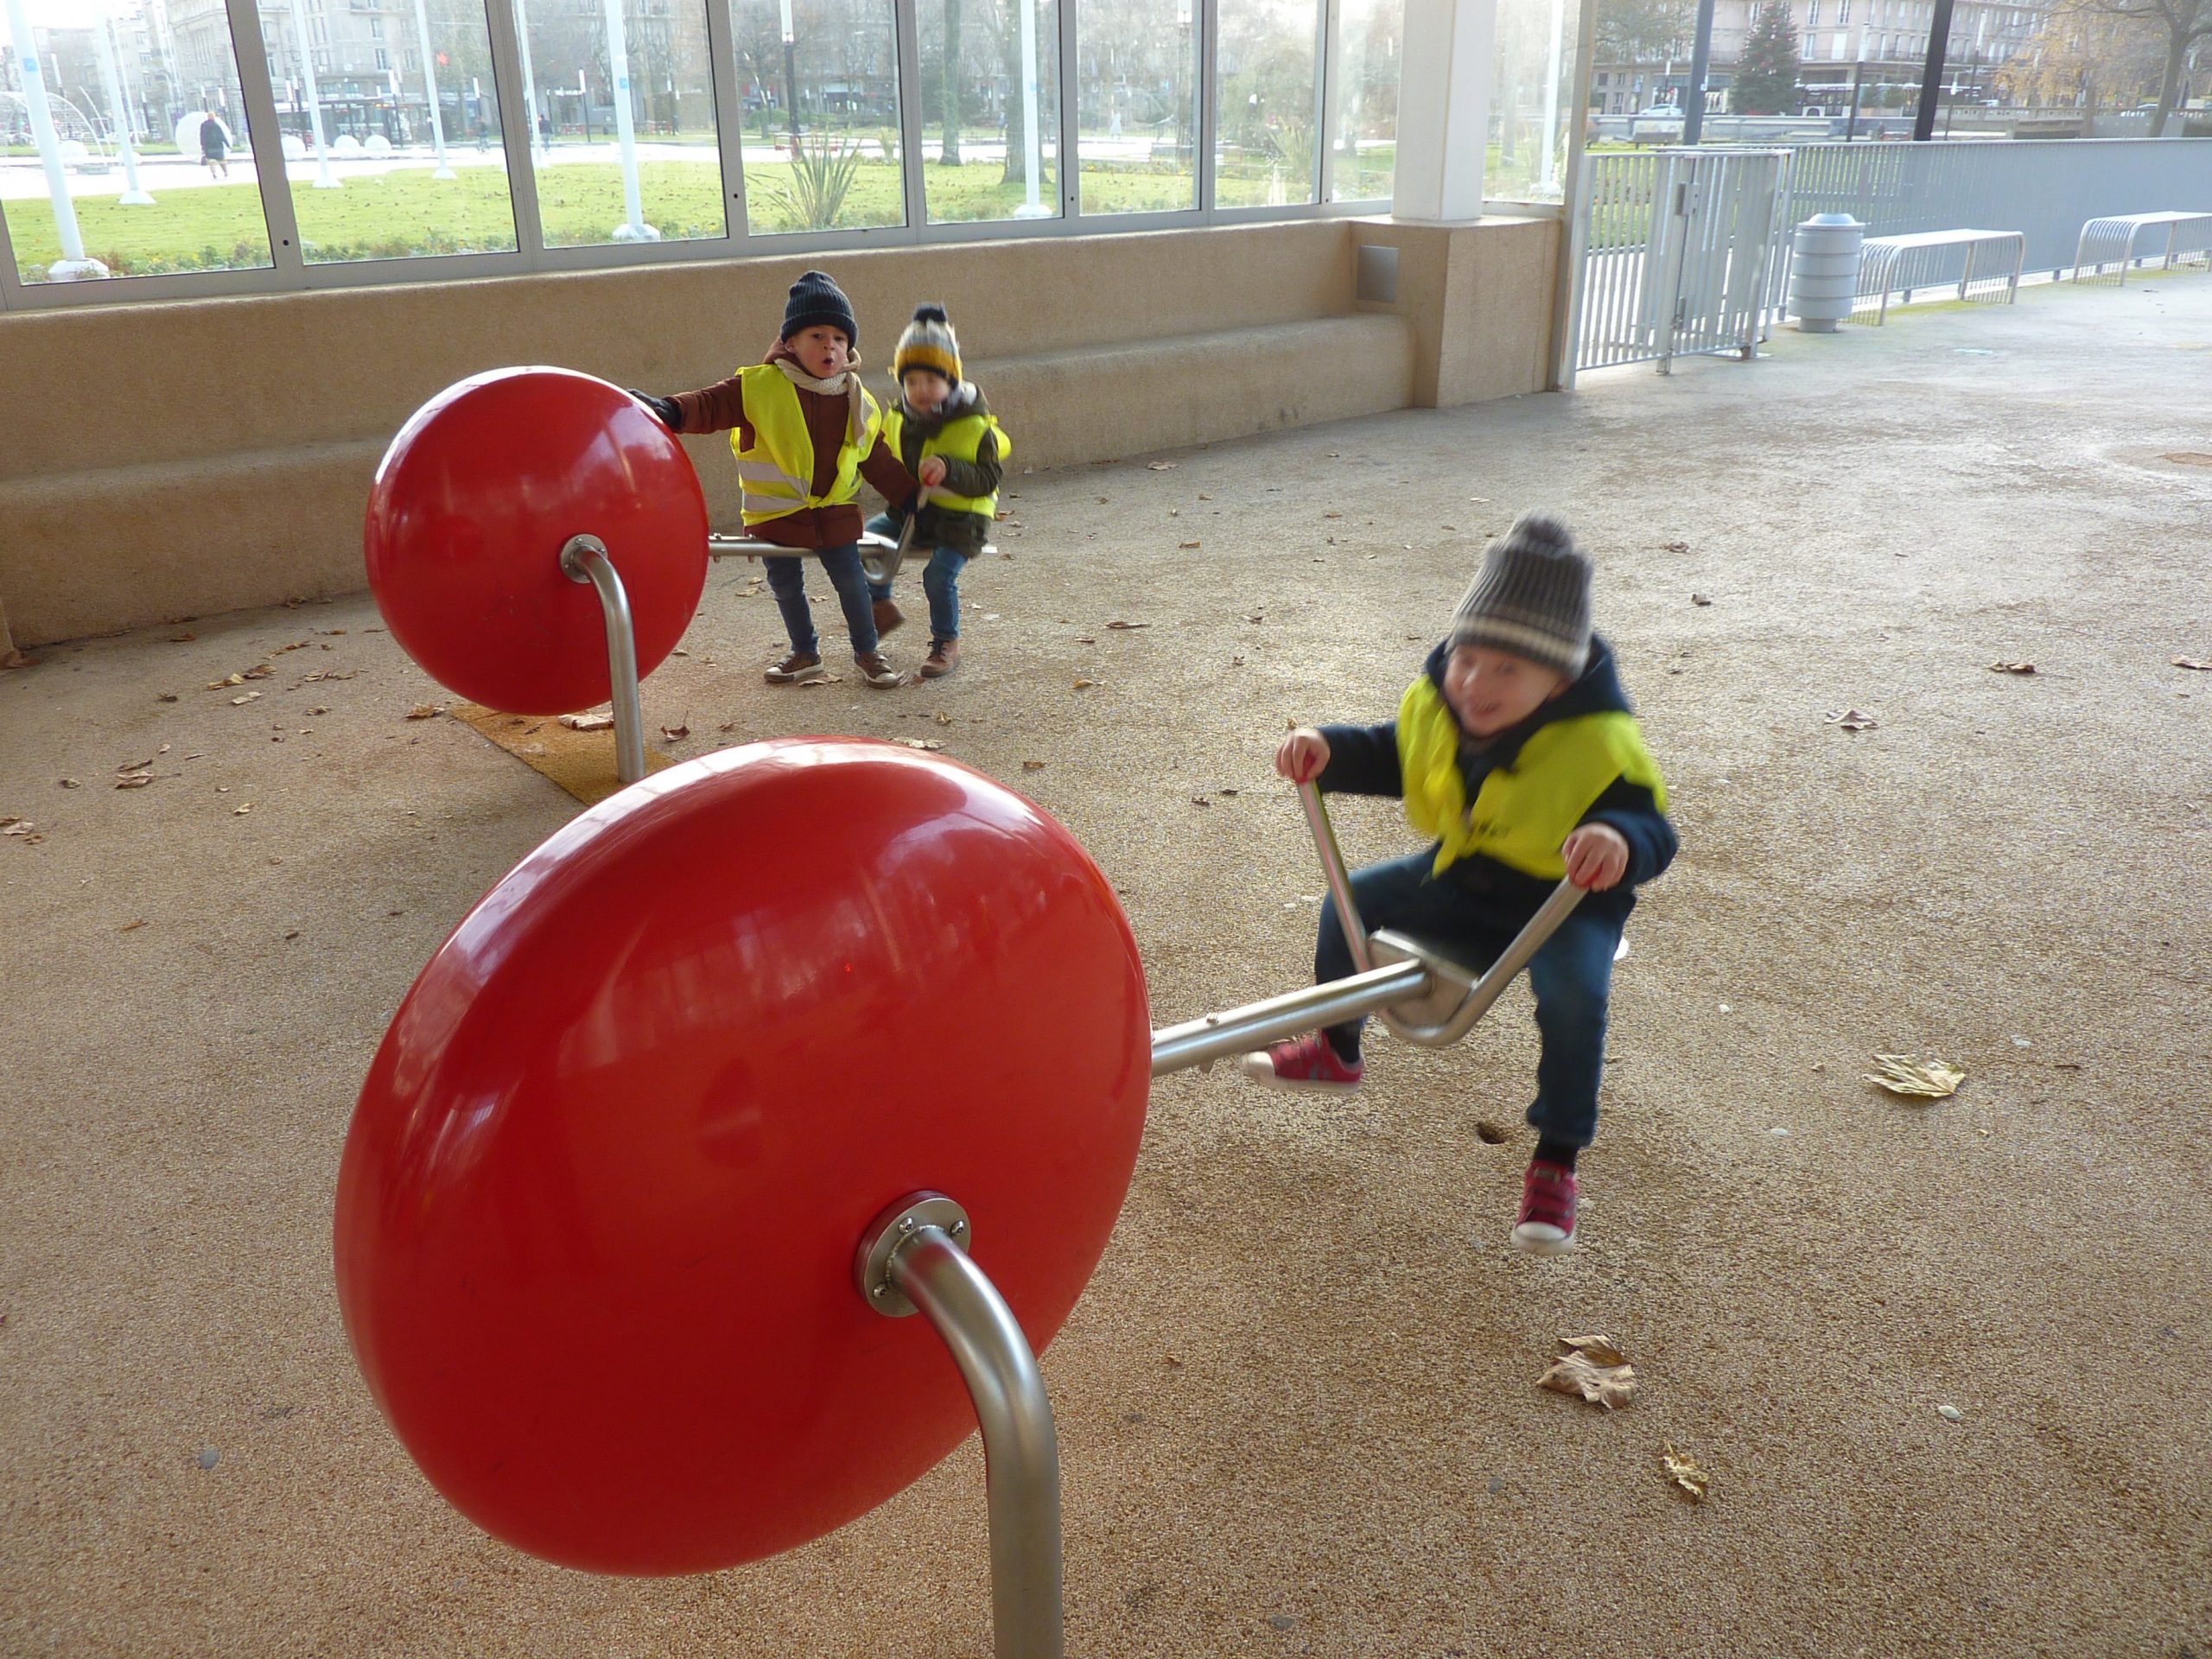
[{"x": 1766, "y": 74}]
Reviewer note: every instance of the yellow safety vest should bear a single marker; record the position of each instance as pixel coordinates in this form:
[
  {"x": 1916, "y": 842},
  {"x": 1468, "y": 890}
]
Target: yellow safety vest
[
  {"x": 1521, "y": 813},
  {"x": 957, "y": 440},
  {"x": 776, "y": 470}
]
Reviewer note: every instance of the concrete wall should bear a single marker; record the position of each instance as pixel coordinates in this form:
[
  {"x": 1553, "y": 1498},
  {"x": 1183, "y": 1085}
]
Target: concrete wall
[{"x": 160, "y": 460}]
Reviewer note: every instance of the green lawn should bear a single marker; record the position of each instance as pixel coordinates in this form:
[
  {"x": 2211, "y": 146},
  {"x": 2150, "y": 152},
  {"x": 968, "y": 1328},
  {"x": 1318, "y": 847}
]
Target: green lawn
[{"x": 400, "y": 214}]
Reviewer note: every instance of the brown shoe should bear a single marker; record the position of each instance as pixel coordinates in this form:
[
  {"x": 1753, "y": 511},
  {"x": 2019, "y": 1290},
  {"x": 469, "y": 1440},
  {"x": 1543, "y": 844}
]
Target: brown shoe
[
  {"x": 799, "y": 665},
  {"x": 943, "y": 657},
  {"x": 877, "y": 672},
  {"x": 888, "y": 617}
]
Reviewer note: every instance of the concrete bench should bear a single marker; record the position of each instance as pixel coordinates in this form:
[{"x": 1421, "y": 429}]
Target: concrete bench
[
  {"x": 2113, "y": 238},
  {"x": 1880, "y": 256}
]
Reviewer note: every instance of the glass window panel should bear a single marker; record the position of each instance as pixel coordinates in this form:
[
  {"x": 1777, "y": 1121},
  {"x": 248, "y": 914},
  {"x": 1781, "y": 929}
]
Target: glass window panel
[
  {"x": 1263, "y": 142},
  {"x": 820, "y": 82},
  {"x": 991, "y": 109},
  {"x": 102, "y": 110},
  {"x": 1531, "y": 107},
  {"x": 1137, "y": 105},
  {"x": 622, "y": 120},
  {"x": 372, "y": 176},
  {"x": 1369, "y": 34}
]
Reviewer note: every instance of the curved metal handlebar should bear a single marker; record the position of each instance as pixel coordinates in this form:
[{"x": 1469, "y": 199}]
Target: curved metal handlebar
[{"x": 1456, "y": 997}]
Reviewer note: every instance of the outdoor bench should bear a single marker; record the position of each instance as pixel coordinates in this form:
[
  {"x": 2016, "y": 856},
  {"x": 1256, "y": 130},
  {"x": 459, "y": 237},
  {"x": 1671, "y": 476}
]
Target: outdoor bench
[{"x": 1881, "y": 254}]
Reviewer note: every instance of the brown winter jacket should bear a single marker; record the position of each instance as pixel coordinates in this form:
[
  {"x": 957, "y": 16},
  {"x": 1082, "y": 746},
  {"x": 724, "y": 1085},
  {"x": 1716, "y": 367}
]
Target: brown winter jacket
[{"x": 720, "y": 407}]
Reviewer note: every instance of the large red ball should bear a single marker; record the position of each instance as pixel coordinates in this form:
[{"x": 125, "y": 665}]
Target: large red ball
[
  {"x": 471, "y": 506},
  {"x": 598, "y": 1207}
]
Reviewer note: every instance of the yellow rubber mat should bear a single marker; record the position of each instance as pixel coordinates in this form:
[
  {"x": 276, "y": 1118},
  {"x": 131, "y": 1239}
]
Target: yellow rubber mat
[{"x": 580, "y": 762}]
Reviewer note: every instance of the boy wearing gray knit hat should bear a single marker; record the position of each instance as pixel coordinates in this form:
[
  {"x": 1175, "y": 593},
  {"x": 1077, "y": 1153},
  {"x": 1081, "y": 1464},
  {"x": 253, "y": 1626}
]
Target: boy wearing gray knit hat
[{"x": 1517, "y": 756}]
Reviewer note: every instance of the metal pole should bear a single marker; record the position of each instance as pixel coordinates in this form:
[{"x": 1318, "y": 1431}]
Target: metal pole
[
  {"x": 134, "y": 195},
  {"x": 72, "y": 263},
  {"x": 1333, "y": 868},
  {"x": 430, "y": 91},
  {"x": 322, "y": 179},
  {"x": 1858, "y": 70},
  {"x": 583, "y": 558},
  {"x": 1240, "y": 1030},
  {"x": 1931, "y": 76},
  {"x": 1700, "y": 64},
  {"x": 914, "y": 1257}
]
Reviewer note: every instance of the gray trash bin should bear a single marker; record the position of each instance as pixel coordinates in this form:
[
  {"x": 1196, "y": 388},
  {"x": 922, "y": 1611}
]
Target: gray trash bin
[{"x": 1824, "y": 271}]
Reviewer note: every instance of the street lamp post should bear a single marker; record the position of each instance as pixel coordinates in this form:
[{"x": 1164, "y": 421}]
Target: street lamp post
[
  {"x": 1033, "y": 142},
  {"x": 72, "y": 264},
  {"x": 633, "y": 227}
]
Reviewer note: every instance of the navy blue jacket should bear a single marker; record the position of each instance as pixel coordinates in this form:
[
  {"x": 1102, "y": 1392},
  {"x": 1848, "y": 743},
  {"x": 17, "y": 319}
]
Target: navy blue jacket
[{"x": 1363, "y": 761}]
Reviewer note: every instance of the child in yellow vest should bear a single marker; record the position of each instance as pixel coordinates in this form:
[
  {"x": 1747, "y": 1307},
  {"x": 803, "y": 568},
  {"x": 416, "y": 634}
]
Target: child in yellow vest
[
  {"x": 1516, "y": 753},
  {"x": 805, "y": 432},
  {"x": 943, "y": 432}
]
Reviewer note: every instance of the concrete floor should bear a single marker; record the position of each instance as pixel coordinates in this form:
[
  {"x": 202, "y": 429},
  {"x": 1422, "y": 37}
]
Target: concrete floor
[{"x": 1297, "y": 1406}]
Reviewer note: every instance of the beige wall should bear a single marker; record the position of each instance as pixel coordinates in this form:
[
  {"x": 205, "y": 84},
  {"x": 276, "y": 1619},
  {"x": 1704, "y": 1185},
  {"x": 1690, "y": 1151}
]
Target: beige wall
[{"x": 159, "y": 461}]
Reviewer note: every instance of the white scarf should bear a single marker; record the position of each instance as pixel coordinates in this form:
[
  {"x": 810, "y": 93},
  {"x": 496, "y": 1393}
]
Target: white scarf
[{"x": 845, "y": 383}]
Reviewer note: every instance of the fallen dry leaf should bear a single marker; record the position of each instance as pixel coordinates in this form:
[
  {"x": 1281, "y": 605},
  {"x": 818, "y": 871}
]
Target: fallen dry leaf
[
  {"x": 166, "y": 696},
  {"x": 2202, "y": 667},
  {"x": 1200, "y": 800},
  {"x": 1237, "y": 661},
  {"x": 227, "y": 679},
  {"x": 1606, "y": 1382},
  {"x": 583, "y": 723},
  {"x": 1928, "y": 1079},
  {"x": 1333, "y": 515},
  {"x": 1085, "y": 639},
  {"x": 132, "y": 927},
  {"x": 1186, "y": 544},
  {"x": 1131, "y": 625},
  {"x": 240, "y": 811},
  {"x": 1675, "y": 547},
  {"x": 1851, "y": 720},
  {"x": 1033, "y": 765},
  {"x": 2011, "y": 668},
  {"x": 1160, "y": 466},
  {"x": 134, "y": 780},
  {"x": 928, "y": 743},
  {"x": 1684, "y": 1474},
  {"x": 70, "y": 783},
  {"x": 676, "y": 734},
  {"x": 182, "y": 638},
  {"x": 260, "y": 671},
  {"x": 1699, "y": 599},
  {"x": 944, "y": 719},
  {"x": 431, "y": 711},
  {"x": 1085, "y": 685},
  {"x": 238, "y": 702}
]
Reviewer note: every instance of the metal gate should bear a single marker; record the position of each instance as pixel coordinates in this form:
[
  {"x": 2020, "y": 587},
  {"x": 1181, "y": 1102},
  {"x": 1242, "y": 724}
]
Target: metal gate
[{"x": 1676, "y": 254}]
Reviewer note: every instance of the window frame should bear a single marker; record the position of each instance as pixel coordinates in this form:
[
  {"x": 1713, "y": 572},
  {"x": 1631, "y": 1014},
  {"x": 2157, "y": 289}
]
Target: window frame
[{"x": 289, "y": 272}]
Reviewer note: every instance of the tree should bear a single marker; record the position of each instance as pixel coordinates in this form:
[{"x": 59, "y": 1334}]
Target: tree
[
  {"x": 1766, "y": 72},
  {"x": 1642, "y": 31},
  {"x": 2183, "y": 23},
  {"x": 2083, "y": 56}
]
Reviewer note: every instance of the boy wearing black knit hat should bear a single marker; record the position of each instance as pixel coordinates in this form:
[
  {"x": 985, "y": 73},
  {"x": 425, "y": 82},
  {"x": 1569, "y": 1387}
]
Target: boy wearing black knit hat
[
  {"x": 805, "y": 432},
  {"x": 943, "y": 432},
  {"x": 1516, "y": 753}
]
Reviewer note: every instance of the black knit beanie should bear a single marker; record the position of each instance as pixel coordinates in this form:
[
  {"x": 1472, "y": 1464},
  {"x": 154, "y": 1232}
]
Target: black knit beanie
[
  {"x": 815, "y": 300},
  {"x": 1532, "y": 597}
]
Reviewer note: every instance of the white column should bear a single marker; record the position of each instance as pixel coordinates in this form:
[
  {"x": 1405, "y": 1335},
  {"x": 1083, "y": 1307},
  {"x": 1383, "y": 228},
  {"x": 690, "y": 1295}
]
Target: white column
[
  {"x": 1549, "y": 175},
  {"x": 322, "y": 179},
  {"x": 134, "y": 195},
  {"x": 72, "y": 264},
  {"x": 1443, "y": 83},
  {"x": 633, "y": 227},
  {"x": 1033, "y": 147},
  {"x": 430, "y": 91},
  {"x": 529, "y": 80}
]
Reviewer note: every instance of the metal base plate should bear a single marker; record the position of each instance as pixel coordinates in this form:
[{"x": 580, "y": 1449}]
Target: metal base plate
[{"x": 888, "y": 1232}]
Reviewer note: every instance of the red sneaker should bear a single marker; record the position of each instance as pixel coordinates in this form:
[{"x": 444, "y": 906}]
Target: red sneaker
[
  {"x": 1309, "y": 1063},
  {"x": 1547, "y": 1222}
]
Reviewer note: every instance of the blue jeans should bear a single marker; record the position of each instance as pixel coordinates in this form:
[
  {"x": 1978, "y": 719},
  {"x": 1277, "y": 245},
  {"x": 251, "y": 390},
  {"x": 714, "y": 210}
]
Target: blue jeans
[
  {"x": 787, "y": 581},
  {"x": 941, "y": 582},
  {"x": 1571, "y": 977}
]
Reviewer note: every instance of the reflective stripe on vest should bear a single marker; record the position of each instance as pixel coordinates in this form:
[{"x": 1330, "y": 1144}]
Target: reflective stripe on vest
[
  {"x": 959, "y": 440},
  {"x": 1522, "y": 813},
  {"x": 778, "y": 468}
]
